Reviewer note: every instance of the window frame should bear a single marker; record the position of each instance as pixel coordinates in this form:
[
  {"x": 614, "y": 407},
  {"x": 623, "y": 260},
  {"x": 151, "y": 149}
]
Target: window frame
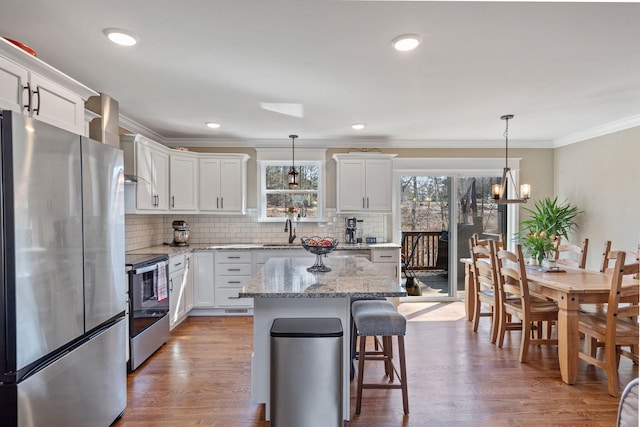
[{"x": 262, "y": 190}]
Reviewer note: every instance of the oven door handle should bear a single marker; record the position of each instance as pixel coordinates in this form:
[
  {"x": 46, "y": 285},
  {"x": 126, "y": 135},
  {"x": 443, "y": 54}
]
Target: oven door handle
[{"x": 145, "y": 269}]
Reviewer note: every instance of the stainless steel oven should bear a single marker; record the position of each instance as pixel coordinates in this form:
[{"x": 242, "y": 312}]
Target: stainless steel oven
[{"x": 148, "y": 306}]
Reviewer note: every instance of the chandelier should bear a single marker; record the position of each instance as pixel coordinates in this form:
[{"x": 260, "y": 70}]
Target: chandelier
[{"x": 500, "y": 191}]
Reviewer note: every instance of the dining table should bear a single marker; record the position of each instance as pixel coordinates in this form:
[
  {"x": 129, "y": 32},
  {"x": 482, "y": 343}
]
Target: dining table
[{"x": 570, "y": 287}]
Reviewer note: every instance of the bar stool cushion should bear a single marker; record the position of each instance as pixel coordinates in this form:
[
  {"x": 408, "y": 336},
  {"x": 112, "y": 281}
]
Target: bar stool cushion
[{"x": 378, "y": 318}]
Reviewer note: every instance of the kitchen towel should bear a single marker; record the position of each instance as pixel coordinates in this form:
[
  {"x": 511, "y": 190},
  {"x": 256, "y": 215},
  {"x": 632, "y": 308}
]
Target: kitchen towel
[{"x": 162, "y": 293}]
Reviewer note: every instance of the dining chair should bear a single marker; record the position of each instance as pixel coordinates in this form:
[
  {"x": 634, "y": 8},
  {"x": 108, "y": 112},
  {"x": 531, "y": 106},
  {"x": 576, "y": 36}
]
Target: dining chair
[
  {"x": 485, "y": 285},
  {"x": 531, "y": 310},
  {"x": 573, "y": 250},
  {"x": 614, "y": 329}
]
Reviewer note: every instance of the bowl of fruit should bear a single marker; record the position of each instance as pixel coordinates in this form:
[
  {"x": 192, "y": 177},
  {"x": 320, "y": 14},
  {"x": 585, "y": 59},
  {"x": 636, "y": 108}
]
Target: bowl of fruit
[{"x": 319, "y": 246}]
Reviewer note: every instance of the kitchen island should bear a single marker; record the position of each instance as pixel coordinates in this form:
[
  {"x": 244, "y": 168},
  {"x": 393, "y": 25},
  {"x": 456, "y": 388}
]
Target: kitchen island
[{"x": 284, "y": 288}]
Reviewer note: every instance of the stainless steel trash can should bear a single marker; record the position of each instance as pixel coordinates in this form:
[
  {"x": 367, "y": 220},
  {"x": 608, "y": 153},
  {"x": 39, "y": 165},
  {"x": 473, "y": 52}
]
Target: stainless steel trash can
[{"x": 306, "y": 372}]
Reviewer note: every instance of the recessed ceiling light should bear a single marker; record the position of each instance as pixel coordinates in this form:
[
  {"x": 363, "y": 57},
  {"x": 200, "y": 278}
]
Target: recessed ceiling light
[
  {"x": 357, "y": 126},
  {"x": 406, "y": 42},
  {"x": 213, "y": 125},
  {"x": 121, "y": 37}
]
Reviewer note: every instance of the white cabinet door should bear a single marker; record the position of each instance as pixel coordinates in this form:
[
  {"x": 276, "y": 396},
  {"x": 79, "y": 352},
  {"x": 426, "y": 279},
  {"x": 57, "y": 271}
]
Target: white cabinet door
[
  {"x": 176, "y": 297},
  {"x": 55, "y": 105},
  {"x": 188, "y": 291},
  {"x": 231, "y": 185},
  {"x": 351, "y": 185},
  {"x": 378, "y": 185},
  {"x": 183, "y": 182},
  {"x": 161, "y": 179},
  {"x": 209, "y": 193},
  {"x": 363, "y": 184},
  {"x": 223, "y": 188},
  {"x": 13, "y": 79},
  {"x": 145, "y": 194},
  {"x": 203, "y": 280}
]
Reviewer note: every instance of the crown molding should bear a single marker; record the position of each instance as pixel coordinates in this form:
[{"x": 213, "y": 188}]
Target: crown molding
[
  {"x": 134, "y": 127},
  {"x": 607, "y": 128}
]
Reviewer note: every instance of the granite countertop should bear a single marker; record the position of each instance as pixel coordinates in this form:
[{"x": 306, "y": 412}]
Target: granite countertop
[
  {"x": 349, "y": 276},
  {"x": 176, "y": 250}
]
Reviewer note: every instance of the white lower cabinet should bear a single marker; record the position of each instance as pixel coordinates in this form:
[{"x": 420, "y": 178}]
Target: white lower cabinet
[
  {"x": 203, "y": 278},
  {"x": 180, "y": 289},
  {"x": 388, "y": 261},
  {"x": 233, "y": 271}
]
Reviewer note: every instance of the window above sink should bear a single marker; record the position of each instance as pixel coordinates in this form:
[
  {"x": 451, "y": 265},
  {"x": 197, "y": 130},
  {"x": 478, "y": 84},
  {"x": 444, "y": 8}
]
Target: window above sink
[{"x": 277, "y": 201}]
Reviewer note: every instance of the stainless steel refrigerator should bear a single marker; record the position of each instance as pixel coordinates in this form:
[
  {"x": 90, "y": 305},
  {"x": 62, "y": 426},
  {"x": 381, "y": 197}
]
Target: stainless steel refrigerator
[{"x": 62, "y": 290}]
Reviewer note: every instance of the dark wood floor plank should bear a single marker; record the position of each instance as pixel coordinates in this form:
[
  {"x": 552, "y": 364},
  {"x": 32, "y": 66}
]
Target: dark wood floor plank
[{"x": 202, "y": 377}]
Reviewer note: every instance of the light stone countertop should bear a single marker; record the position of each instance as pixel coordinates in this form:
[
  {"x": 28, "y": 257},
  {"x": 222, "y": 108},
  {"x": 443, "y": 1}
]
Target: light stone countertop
[
  {"x": 175, "y": 250},
  {"x": 349, "y": 276}
]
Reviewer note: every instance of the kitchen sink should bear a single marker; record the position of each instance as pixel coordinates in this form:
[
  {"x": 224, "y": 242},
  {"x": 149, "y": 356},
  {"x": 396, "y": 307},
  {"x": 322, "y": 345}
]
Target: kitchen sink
[{"x": 279, "y": 245}]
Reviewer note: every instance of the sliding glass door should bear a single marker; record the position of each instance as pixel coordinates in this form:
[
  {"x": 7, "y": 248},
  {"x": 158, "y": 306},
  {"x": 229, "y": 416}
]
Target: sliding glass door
[{"x": 438, "y": 214}]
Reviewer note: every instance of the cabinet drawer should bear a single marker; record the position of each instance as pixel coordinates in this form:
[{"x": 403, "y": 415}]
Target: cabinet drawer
[
  {"x": 385, "y": 256},
  {"x": 228, "y": 297},
  {"x": 263, "y": 255},
  {"x": 223, "y": 257},
  {"x": 233, "y": 269},
  {"x": 230, "y": 281},
  {"x": 176, "y": 262}
]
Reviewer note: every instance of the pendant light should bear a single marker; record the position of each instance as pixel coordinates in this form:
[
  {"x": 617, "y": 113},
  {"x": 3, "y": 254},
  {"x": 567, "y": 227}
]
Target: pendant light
[
  {"x": 500, "y": 191},
  {"x": 293, "y": 175}
]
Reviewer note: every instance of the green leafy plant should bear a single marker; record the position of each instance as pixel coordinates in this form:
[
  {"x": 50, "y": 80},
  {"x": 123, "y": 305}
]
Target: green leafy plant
[
  {"x": 549, "y": 220},
  {"x": 550, "y": 217},
  {"x": 539, "y": 245}
]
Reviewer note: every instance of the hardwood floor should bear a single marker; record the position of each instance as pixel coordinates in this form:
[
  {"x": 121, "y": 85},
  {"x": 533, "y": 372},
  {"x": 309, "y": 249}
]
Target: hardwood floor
[{"x": 202, "y": 377}]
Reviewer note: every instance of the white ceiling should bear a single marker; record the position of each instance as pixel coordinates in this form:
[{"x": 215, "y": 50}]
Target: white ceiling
[{"x": 560, "y": 68}]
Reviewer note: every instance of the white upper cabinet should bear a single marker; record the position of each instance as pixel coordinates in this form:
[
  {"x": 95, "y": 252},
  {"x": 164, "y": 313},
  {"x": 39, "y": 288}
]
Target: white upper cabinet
[
  {"x": 148, "y": 161},
  {"x": 223, "y": 181},
  {"x": 180, "y": 181},
  {"x": 363, "y": 182},
  {"x": 183, "y": 181},
  {"x": 38, "y": 90}
]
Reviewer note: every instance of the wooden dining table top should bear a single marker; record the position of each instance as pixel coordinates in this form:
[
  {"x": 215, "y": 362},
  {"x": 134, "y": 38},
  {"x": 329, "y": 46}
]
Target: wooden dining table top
[{"x": 578, "y": 281}]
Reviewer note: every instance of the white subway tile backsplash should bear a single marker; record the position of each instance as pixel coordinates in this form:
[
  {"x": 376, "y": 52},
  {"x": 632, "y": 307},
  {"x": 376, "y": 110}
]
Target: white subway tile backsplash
[{"x": 150, "y": 230}]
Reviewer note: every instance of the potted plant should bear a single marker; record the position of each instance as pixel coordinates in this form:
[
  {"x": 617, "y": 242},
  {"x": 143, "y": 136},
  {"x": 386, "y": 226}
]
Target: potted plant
[
  {"x": 548, "y": 220},
  {"x": 540, "y": 246}
]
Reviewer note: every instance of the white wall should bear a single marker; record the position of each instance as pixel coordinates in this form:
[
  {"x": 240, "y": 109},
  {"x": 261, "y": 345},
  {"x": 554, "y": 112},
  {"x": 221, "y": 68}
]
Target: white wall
[{"x": 601, "y": 176}]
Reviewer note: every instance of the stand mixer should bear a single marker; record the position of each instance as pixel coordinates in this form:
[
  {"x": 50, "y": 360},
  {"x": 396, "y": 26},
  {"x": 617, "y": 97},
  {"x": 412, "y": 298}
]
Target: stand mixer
[{"x": 180, "y": 233}]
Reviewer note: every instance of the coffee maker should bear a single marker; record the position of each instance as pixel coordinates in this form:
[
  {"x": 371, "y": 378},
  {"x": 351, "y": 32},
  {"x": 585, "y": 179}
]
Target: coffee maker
[
  {"x": 180, "y": 233},
  {"x": 350, "y": 225}
]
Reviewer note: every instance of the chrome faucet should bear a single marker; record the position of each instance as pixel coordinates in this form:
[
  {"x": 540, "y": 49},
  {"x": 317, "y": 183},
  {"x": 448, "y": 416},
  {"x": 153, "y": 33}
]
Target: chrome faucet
[{"x": 288, "y": 226}]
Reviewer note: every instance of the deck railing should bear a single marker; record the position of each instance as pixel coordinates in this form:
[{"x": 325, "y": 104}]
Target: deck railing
[{"x": 424, "y": 250}]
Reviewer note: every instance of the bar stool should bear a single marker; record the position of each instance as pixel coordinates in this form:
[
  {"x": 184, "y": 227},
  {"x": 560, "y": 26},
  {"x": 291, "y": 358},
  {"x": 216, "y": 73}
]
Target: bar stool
[{"x": 378, "y": 319}]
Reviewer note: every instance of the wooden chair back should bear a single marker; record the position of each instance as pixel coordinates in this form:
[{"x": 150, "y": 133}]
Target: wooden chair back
[
  {"x": 512, "y": 277},
  {"x": 475, "y": 240},
  {"x": 484, "y": 267},
  {"x": 630, "y": 258},
  {"x": 570, "y": 248},
  {"x": 616, "y": 311}
]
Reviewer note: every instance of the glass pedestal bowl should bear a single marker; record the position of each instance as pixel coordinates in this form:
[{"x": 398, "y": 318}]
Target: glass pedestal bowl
[{"x": 319, "y": 246}]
